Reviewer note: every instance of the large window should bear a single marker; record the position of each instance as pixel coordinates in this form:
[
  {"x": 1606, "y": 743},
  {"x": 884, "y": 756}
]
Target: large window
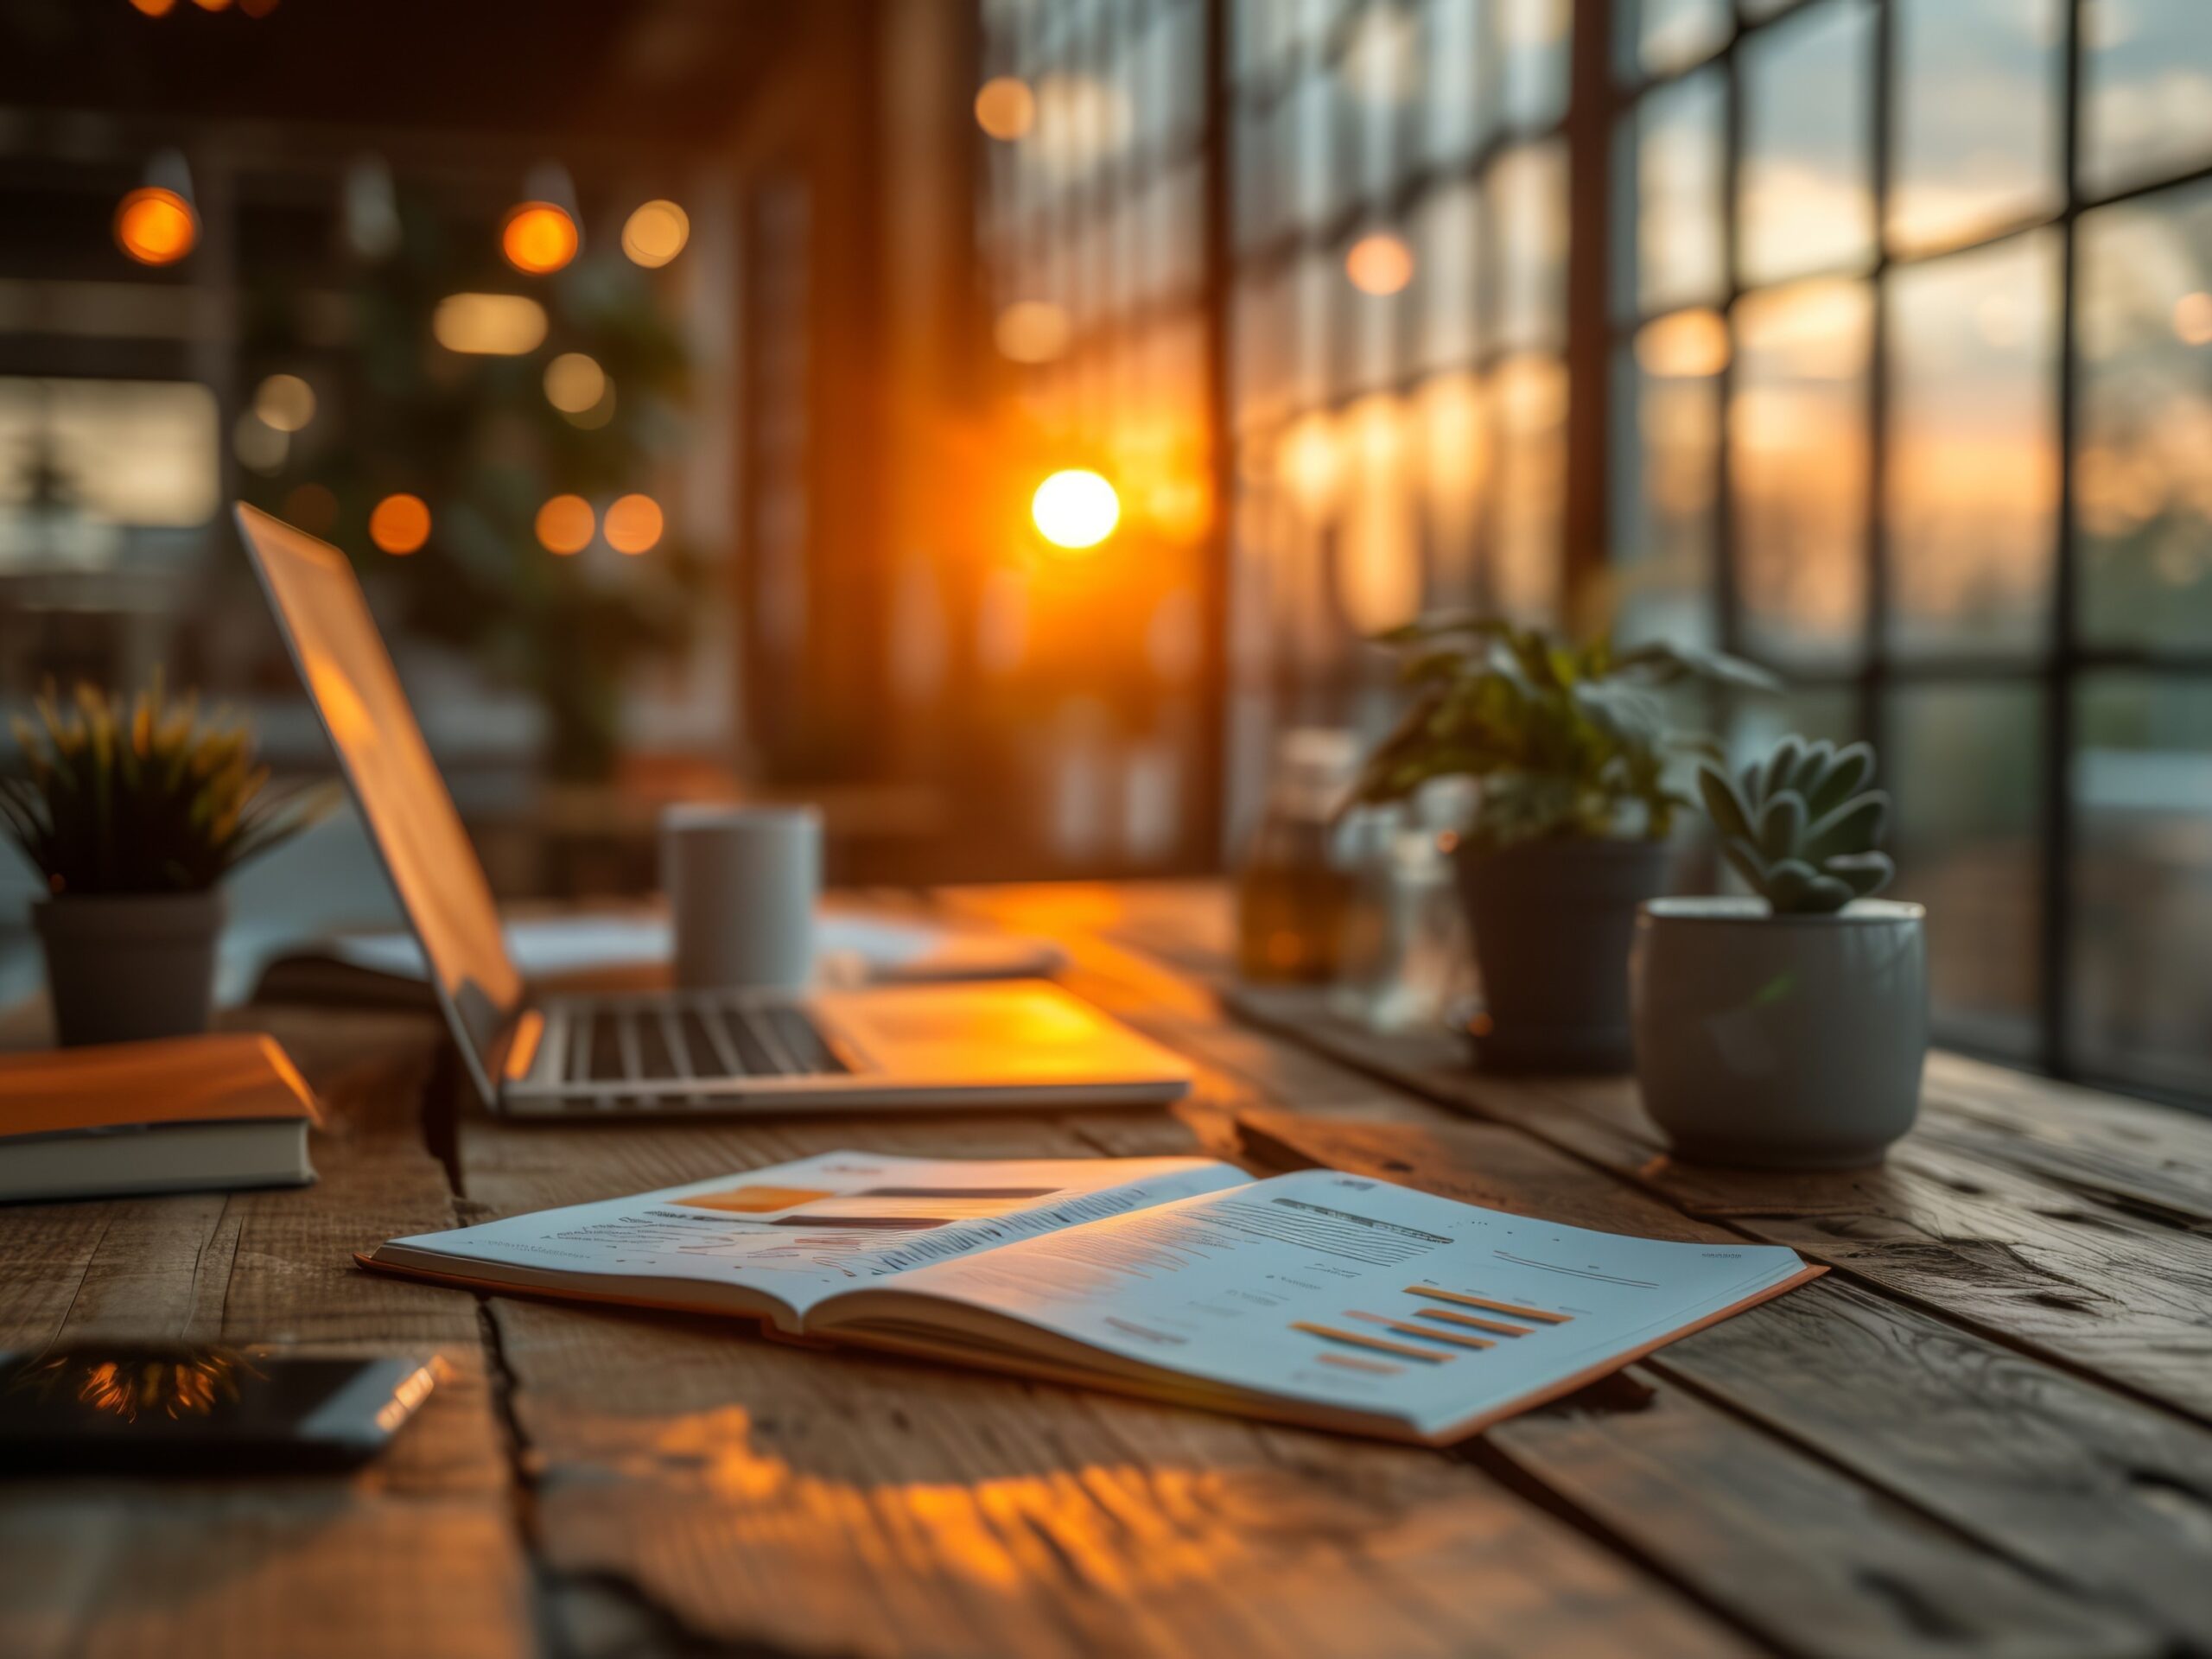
[{"x": 1881, "y": 352}]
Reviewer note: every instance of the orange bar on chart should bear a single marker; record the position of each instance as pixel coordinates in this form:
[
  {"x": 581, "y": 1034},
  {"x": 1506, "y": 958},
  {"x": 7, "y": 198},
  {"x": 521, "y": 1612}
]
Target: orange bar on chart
[
  {"x": 1427, "y": 1333},
  {"x": 1451, "y": 1316},
  {"x": 1491, "y": 1303},
  {"x": 1403, "y": 1350}
]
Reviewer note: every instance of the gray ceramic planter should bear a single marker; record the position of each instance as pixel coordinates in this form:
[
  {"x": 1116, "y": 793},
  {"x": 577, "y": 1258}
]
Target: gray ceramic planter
[
  {"x": 1779, "y": 1041},
  {"x": 1551, "y": 922},
  {"x": 125, "y": 966}
]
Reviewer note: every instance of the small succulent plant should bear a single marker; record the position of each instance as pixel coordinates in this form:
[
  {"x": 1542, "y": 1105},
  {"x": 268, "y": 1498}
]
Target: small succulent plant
[
  {"x": 143, "y": 797},
  {"x": 1801, "y": 826}
]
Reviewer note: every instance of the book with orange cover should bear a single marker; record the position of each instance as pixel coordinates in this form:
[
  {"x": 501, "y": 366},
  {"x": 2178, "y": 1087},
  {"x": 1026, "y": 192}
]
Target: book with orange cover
[
  {"x": 1320, "y": 1298},
  {"x": 182, "y": 1114}
]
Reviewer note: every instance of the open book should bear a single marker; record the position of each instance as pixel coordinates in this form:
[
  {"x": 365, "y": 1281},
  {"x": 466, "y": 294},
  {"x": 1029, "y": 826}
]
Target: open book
[{"x": 1318, "y": 1298}]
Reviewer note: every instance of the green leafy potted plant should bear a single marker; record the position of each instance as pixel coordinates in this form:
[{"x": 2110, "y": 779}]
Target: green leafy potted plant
[
  {"x": 1572, "y": 749},
  {"x": 133, "y": 819},
  {"x": 1786, "y": 1027}
]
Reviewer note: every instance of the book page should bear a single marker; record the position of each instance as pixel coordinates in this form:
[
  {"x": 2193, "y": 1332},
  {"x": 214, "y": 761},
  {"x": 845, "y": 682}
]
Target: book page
[
  {"x": 1356, "y": 1294},
  {"x": 798, "y": 1232}
]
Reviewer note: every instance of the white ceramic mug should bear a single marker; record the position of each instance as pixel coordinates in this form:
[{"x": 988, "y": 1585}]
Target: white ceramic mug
[{"x": 742, "y": 883}]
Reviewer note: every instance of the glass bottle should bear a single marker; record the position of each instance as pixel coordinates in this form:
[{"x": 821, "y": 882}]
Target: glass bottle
[{"x": 1295, "y": 890}]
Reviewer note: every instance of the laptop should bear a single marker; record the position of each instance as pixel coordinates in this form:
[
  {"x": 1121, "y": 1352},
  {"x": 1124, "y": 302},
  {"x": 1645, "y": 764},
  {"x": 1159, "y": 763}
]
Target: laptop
[{"x": 1007, "y": 1043}]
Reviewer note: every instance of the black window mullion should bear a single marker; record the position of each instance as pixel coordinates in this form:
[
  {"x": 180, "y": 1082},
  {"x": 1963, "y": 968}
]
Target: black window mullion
[{"x": 2056, "y": 942}]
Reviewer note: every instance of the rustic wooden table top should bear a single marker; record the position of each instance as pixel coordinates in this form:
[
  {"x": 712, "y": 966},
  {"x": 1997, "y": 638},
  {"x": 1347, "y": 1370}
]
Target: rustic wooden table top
[{"x": 1988, "y": 1432}]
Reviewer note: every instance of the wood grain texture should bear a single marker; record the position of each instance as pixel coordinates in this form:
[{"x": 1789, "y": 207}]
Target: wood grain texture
[
  {"x": 750, "y": 1491},
  {"x": 418, "y": 1552},
  {"x": 2078, "y": 1485}
]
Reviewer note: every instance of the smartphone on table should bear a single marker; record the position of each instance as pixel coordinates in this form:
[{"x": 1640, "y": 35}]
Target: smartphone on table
[{"x": 150, "y": 1408}]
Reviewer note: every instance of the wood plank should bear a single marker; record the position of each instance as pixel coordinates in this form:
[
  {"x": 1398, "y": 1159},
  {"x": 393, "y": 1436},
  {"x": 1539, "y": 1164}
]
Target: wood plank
[
  {"x": 748, "y": 1491},
  {"x": 2051, "y": 1268},
  {"x": 418, "y": 1552},
  {"x": 2080, "y": 1485}
]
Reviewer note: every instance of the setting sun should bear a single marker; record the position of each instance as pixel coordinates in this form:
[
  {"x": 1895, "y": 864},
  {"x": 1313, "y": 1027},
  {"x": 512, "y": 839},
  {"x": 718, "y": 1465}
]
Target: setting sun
[{"x": 1075, "y": 509}]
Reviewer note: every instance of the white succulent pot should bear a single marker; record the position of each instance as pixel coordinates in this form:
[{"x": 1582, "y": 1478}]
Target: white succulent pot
[{"x": 1779, "y": 1041}]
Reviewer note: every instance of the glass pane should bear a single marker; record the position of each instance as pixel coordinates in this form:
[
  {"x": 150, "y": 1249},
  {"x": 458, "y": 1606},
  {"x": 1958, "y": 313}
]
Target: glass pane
[
  {"x": 2142, "y": 956},
  {"x": 1531, "y": 51},
  {"x": 1797, "y": 449},
  {"x": 1526, "y": 191},
  {"x": 2143, "y": 478},
  {"x": 2146, "y": 87},
  {"x": 1378, "y": 546},
  {"x": 1379, "y": 75},
  {"x": 1446, "y": 267},
  {"x": 1804, "y": 195},
  {"x": 1977, "y": 121},
  {"x": 1662, "y": 36},
  {"x": 1757, "y": 11},
  {"x": 1973, "y": 475},
  {"x": 1666, "y": 461},
  {"x": 1303, "y": 123},
  {"x": 1313, "y": 300},
  {"x": 1454, "y": 117},
  {"x": 1529, "y": 404},
  {"x": 1454, "y": 459},
  {"x": 1963, "y": 764},
  {"x": 1680, "y": 249},
  {"x": 1374, "y": 320}
]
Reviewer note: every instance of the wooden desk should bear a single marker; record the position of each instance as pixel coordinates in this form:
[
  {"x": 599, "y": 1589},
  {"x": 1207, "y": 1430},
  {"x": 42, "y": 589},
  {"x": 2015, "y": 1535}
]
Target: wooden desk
[{"x": 1985, "y": 1433}]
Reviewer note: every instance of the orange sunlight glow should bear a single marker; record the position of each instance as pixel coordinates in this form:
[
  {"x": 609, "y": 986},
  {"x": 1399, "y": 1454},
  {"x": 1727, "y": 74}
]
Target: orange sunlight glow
[
  {"x": 155, "y": 227},
  {"x": 538, "y": 238},
  {"x": 565, "y": 525},
  {"x": 1379, "y": 264},
  {"x": 1006, "y": 108},
  {"x": 1687, "y": 346},
  {"x": 1075, "y": 509},
  {"x": 633, "y": 525},
  {"x": 400, "y": 525},
  {"x": 2193, "y": 318}
]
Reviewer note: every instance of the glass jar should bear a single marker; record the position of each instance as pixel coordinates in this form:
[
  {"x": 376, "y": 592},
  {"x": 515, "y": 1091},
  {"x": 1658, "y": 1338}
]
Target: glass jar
[{"x": 1295, "y": 890}]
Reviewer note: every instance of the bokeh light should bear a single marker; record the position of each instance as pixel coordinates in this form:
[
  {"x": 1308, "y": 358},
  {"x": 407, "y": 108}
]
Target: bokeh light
[
  {"x": 284, "y": 402},
  {"x": 489, "y": 325},
  {"x": 213, "y": 6},
  {"x": 1379, "y": 264},
  {"x": 565, "y": 525},
  {"x": 155, "y": 227},
  {"x": 573, "y": 383},
  {"x": 1075, "y": 509},
  {"x": 1687, "y": 345},
  {"x": 1006, "y": 108},
  {"x": 313, "y": 508},
  {"x": 655, "y": 233},
  {"x": 633, "y": 524},
  {"x": 259, "y": 446},
  {"x": 1031, "y": 331},
  {"x": 400, "y": 523},
  {"x": 155, "y": 8},
  {"x": 538, "y": 237}
]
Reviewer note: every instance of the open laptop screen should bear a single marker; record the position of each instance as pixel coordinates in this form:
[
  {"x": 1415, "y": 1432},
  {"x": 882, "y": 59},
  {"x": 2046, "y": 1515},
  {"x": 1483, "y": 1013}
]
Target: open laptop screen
[{"x": 341, "y": 657}]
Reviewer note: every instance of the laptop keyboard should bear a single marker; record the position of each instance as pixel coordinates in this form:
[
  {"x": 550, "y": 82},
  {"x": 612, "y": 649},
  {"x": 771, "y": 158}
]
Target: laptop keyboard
[{"x": 701, "y": 1039}]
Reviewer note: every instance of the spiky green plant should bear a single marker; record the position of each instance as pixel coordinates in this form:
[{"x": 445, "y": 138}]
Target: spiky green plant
[
  {"x": 151, "y": 800},
  {"x": 1569, "y": 741},
  {"x": 1800, "y": 826}
]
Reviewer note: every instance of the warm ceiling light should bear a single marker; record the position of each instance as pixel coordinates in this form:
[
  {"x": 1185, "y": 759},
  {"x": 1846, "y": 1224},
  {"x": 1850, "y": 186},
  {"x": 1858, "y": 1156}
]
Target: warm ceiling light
[
  {"x": 1075, "y": 509},
  {"x": 1006, "y": 108},
  {"x": 538, "y": 237},
  {"x": 573, "y": 383},
  {"x": 565, "y": 525},
  {"x": 633, "y": 524},
  {"x": 1379, "y": 264},
  {"x": 655, "y": 233},
  {"x": 400, "y": 523},
  {"x": 156, "y": 226},
  {"x": 489, "y": 325},
  {"x": 155, "y": 8},
  {"x": 1031, "y": 331},
  {"x": 284, "y": 402},
  {"x": 214, "y": 5}
]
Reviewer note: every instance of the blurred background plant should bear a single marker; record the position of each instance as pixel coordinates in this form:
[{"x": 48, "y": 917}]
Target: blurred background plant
[
  {"x": 488, "y": 450},
  {"x": 148, "y": 799}
]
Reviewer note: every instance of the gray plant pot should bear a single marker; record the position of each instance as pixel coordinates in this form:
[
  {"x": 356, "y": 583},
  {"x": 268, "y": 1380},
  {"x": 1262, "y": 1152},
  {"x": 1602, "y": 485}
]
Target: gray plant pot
[
  {"x": 1790, "y": 1042},
  {"x": 1551, "y": 922},
  {"x": 125, "y": 966}
]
